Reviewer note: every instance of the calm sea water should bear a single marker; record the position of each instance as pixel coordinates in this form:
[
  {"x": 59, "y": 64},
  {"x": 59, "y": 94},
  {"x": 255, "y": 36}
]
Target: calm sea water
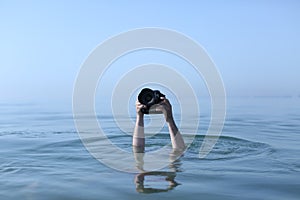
[{"x": 257, "y": 157}]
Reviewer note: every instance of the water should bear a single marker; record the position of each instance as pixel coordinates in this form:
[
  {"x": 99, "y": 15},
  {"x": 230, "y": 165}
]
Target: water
[{"x": 257, "y": 157}]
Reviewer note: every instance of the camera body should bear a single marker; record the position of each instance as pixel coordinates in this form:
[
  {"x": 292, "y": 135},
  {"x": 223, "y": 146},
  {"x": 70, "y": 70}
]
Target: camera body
[{"x": 149, "y": 98}]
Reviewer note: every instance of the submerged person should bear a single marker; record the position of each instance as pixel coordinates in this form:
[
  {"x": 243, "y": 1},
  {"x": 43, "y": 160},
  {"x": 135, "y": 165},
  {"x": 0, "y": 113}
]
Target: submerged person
[
  {"x": 138, "y": 140},
  {"x": 138, "y": 143}
]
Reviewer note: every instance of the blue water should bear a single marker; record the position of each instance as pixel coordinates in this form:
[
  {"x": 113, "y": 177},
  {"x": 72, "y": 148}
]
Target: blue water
[{"x": 257, "y": 157}]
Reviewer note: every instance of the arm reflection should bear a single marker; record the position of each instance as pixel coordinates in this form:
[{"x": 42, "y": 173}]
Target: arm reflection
[{"x": 167, "y": 177}]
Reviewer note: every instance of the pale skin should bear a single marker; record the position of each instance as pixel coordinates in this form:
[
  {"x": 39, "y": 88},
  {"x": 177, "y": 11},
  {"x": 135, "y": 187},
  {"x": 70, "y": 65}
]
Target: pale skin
[{"x": 163, "y": 107}]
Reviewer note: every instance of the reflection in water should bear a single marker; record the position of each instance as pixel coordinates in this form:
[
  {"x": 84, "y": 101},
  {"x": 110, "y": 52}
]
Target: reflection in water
[
  {"x": 161, "y": 176},
  {"x": 169, "y": 177}
]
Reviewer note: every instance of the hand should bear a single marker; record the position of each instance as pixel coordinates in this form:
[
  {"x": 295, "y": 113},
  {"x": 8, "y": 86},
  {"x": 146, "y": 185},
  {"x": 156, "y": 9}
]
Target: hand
[
  {"x": 166, "y": 108},
  {"x": 138, "y": 107}
]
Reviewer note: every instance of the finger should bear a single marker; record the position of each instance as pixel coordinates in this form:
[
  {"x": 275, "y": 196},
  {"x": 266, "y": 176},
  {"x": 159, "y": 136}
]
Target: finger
[
  {"x": 163, "y": 103},
  {"x": 138, "y": 104},
  {"x": 167, "y": 101}
]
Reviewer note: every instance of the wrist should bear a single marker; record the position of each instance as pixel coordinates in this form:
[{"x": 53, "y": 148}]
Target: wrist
[
  {"x": 170, "y": 120},
  {"x": 139, "y": 116},
  {"x": 140, "y": 119}
]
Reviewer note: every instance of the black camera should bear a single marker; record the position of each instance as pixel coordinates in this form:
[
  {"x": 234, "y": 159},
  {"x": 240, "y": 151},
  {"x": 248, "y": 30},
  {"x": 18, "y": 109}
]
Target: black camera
[{"x": 149, "y": 97}]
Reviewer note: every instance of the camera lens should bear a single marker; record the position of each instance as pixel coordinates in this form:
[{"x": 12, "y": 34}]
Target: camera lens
[{"x": 146, "y": 96}]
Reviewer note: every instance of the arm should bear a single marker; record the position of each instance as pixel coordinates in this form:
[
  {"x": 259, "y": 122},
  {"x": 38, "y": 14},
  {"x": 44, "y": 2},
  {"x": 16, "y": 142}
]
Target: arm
[
  {"x": 175, "y": 135},
  {"x": 138, "y": 139}
]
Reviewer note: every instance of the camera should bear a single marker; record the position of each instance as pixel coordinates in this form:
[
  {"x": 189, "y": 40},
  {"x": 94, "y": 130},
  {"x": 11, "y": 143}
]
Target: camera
[{"x": 149, "y": 97}]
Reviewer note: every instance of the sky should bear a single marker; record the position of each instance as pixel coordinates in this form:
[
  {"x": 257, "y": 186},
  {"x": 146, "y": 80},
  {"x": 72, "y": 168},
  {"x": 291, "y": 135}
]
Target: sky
[{"x": 254, "y": 44}]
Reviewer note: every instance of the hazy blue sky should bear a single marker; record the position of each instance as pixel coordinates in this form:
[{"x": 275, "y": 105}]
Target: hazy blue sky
[{"x": 255, "y": 44}]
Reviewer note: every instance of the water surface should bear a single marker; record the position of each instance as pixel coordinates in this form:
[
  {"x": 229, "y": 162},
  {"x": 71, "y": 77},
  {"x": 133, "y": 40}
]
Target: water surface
[{"x": 257, "y": 157}]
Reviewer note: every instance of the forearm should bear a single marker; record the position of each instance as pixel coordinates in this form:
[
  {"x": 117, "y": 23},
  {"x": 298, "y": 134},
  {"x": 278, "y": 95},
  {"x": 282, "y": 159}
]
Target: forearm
[
  {"x": 175, "y": 135},
  {"x": 138, "y": 138}
]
